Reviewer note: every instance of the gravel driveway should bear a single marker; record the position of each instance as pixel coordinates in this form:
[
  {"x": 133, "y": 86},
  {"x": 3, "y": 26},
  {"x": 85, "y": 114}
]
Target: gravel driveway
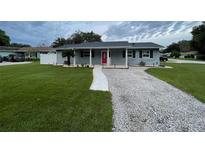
[{"x": 142, "y": 102}]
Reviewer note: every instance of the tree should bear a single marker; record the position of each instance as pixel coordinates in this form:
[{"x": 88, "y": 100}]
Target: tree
[
  {"x": 175, "y": 54},
  {"x": 19, "y": 45},
  {"x": 77, "y": 37},
  {"x": 184, "y": 45},
  {"x": 198, "y": 38},
  {"x": 59, "y": 42},
  {"x": 173, "y": 47},
  {"x": 68, "y": 54},
  {"x": 4, "y": 39},
  {"x": 80, "y": 37}
]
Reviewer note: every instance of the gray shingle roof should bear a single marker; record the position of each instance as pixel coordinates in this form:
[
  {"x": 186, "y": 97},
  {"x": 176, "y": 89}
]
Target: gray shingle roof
[
  {"x": 97, "y": 44},
  {"x": 114, "y": 44},
  {"x": 145, "y": 45}
]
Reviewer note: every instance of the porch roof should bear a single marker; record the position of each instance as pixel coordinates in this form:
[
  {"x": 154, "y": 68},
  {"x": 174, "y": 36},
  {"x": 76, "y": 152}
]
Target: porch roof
[{"x": 114, "y": 44}]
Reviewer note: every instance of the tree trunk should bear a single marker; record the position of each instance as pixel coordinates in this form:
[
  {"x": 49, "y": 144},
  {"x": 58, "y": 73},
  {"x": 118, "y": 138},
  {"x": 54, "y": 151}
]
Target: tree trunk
[{"x": 68, "y": 60}]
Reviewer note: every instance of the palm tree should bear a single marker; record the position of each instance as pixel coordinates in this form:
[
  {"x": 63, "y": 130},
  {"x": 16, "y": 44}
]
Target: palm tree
[{"x": 68, "y": 54}]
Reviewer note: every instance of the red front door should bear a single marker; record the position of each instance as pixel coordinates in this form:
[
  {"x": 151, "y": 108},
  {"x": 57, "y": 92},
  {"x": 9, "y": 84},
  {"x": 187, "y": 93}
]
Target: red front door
[{"x": 104, "y": 57}]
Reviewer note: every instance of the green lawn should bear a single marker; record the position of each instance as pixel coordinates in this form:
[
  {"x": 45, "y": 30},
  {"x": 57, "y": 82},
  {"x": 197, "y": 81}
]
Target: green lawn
[
  {"x": 36, "y": 97},
  {"x": 188, "y": 77}
]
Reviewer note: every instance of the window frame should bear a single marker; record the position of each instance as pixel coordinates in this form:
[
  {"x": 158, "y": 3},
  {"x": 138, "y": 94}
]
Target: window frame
[
  {"x": 145, "y": 52},
  {"x": 86, "y": 53},
  {"x": 130, "y": 54}
]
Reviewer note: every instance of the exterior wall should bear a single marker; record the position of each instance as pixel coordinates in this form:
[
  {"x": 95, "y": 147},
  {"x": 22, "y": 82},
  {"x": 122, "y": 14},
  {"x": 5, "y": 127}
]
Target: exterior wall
[
  {"x": 116, "y": 58},
  {"x": 48, "y": 58},
  {"x": 32, "y": 55},
  {"x": 60, "y": 58},
  {"x": 38, "y": 55},
  {"x": 148, "y": 61},
  {"x": 96, "y": 60}
]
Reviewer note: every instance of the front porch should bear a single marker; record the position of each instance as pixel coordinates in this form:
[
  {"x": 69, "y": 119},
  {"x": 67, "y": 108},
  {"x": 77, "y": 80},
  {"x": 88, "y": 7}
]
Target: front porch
[{"x": 108, "y": 58}]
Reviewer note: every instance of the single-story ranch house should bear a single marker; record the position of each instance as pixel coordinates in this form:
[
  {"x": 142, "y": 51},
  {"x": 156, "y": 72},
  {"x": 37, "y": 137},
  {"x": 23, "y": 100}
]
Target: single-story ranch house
[{"x": 106, "y": 53}]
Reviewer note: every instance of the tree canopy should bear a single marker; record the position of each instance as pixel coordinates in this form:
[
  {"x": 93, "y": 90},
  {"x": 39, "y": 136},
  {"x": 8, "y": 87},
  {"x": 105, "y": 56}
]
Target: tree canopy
[
  {"x": 19, "y": 45},
  {"x": 181, "y": 46},
  {"x": 173, "y": 47},
  {"x": 77, "y": 37},
  {"x": 184, "y": 45},
  {"x": 4, "y": 39},
  {"x": 68, "y": 54},
  {"x": 59, "y": 42},
  {"x": 198, "y": 38}
]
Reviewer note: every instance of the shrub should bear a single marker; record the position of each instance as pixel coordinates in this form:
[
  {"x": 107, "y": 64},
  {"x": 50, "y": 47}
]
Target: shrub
[
  {"x": 175, "y": 54},
  {"x": 189, "y": 56},
  {"x": 200, "y": 57},
  {"x": 162, "y": 64},
  {"x": 142, "y": 63}
]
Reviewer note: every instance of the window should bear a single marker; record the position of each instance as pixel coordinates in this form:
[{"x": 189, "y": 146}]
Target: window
[
  {"x": 86, "y": 53},
  {"x": 145, "y": 53},
  {"x": 130, "y": 53}
]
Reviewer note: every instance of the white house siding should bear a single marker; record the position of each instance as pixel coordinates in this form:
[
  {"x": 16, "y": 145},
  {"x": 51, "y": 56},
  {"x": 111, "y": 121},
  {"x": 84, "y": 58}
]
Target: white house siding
[{"x": 48, "y": 58}]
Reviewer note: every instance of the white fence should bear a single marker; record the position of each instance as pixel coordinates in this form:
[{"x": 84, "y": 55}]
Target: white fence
[{"x": 48, "y": 58}]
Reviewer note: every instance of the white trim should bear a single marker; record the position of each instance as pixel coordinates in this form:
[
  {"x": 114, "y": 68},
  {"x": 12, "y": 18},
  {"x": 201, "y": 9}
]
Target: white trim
[
  {"x": 74, "y": 61},
  {"x": 126, "y": 57},
  {"x": 119, "y": 47},
  {"x": 145, "y": 57},
  {"x": 108, "y": 57},
  {"x": 90, "y": 57}
]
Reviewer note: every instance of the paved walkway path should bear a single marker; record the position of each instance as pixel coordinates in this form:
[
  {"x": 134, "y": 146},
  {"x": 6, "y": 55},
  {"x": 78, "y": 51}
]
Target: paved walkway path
[
  {"x": 142, "y": 102},
  {"x": 99, "y": 79},
  {"x": 186, "y": 61},
  {"x": 13, "y": 63}
]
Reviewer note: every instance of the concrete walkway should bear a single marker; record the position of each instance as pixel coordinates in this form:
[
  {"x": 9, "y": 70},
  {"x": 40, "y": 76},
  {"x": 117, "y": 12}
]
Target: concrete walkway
[
  {"x": 142, "y": 102},
  {"x": 99, "y": 79},
  {"x": 186, "y": 61},
  {"x": 13, "y": 63}
]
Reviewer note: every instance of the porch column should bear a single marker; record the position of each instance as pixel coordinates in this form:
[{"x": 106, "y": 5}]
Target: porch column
[
  {"x": 108, "y": 57},
  {"x": 74, "y": 62},
  {"x": 90, "y": 57},
  {"x": 126, "y": 58}
]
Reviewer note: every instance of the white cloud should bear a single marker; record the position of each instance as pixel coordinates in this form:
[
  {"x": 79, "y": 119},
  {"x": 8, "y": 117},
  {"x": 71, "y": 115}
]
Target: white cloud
[{"x": 162, "y": 32}]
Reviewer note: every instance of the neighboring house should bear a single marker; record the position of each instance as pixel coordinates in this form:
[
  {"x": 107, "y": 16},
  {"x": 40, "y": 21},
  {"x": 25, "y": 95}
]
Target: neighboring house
[
  {"x": 188, "y": 53},
  {"x": 6, "y": 51},
  {"x": 106, "y": 53},
  {"x": 34, "y": 52},
  {"x": 26, "y": 52}
]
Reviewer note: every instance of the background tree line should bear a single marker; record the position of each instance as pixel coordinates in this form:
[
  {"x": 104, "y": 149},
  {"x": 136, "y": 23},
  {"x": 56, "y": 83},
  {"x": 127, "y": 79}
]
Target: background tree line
[
  {"x": 196, "y": 43},
  {"x": 5, "y": 41}
]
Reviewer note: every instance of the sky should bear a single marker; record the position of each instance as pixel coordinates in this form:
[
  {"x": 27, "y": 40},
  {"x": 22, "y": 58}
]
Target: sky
[{"x": 37, "y": 33}]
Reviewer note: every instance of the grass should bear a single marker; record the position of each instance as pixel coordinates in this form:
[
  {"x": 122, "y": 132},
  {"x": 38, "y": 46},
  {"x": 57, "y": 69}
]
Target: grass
[
  {"x": 187, "y": 77},
  {"x": 37, "y": 97}
]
